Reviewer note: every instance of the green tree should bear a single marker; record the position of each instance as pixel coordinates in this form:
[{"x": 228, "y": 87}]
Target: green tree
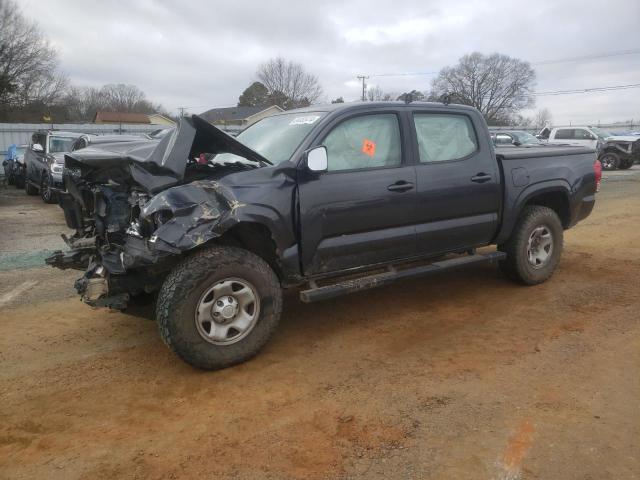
[
  {"x": 412, "y": 96},
  {"x": 255, "y": 95}
]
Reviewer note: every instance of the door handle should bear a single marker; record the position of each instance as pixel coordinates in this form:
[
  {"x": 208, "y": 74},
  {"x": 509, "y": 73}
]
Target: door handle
[
  {"x": 481, "y": 177},
  {"x": 400, "y": 186}
]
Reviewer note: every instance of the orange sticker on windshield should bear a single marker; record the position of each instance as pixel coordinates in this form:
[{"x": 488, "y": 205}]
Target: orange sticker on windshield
[{"x": 368, "y": 147}]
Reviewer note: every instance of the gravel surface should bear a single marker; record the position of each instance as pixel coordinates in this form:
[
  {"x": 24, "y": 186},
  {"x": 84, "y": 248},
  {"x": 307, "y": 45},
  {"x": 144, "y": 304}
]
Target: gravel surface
[{"x": 462, "y": 376}]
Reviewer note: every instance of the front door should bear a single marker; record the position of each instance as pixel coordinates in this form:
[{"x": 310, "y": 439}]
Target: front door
[
  {"x": 358, "y": 212},
  {"x": 458, "y": 196}
]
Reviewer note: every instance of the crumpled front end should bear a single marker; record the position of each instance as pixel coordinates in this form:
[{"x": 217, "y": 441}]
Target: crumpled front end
[
  {"x": 128, "y": 241},
  {"x": 128, "y": 234}
]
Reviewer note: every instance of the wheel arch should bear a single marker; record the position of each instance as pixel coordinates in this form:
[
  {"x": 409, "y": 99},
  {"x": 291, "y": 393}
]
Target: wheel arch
[{"x": 554, "y": 194}]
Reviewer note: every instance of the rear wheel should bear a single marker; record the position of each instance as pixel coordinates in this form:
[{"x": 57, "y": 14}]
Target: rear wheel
[
  {"x": 609, "y": 161},
  {"x": 625, "y": 164},
  {"x": 534, "y": 248},
  {"x": 219, "y": 307},
  {"x": 46, "y": 192}
]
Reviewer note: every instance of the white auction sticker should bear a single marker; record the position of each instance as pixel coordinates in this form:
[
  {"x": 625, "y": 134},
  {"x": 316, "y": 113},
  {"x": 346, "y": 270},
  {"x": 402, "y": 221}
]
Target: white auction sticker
[{"x": 308, "y": 120}]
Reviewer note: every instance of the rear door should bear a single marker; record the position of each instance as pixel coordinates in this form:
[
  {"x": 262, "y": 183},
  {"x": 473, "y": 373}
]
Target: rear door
[
  {"x": 459, "y": 196},
  {"x": 359, "y": 212}
]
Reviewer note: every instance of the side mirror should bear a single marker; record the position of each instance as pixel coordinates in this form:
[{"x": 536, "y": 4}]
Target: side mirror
[
  {"x": 317, "y": 160},
  {"x": 36, "y": 147},
  {"x": 517, "y": 143}
]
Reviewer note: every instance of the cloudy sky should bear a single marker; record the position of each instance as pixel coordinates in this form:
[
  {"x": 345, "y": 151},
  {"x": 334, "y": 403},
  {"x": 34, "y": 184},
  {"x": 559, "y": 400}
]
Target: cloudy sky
[{"x": 202, "y": 54}]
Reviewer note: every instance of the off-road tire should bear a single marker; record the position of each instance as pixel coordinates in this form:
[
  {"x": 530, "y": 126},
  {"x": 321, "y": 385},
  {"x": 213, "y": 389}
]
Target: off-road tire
[
  {"x": 30, "y": 189},
  {"x": 625, "y": 164},
  {"x": 46, "y": 194},
  {"x": 610, "y": 161},
  {"x": 179, "y": 296},
  {"x": 516, "y": 266}
]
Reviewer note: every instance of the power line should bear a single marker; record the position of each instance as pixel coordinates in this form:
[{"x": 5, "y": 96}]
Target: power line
[
  {"x": 542, "y": 62},
  {"x": 589, "y": 57},
  {"x": 587, "y": 90}
]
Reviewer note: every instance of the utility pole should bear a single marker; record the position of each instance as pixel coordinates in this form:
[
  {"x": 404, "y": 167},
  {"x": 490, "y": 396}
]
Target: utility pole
[
  {"x": 182, "y": 109},
  {"x": 364, "y": 85}
]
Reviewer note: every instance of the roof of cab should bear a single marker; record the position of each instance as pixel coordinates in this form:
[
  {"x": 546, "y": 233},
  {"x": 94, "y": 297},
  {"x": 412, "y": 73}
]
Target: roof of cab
[{"x": 332, "y": 107}]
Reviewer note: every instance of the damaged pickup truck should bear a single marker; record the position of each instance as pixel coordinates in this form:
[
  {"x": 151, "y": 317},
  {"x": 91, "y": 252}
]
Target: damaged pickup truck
[{"x": 332, "y": 199}]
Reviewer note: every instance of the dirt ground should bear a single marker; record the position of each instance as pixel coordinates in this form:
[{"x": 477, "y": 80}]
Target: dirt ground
[{"x": 462, "y": 376}]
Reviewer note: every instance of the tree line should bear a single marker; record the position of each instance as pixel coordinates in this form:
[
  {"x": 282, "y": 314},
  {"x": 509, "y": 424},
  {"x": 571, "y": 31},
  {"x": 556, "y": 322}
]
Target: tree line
[
  {"x": 499, "y": 86},
  {"x": 32, "y": 86}
]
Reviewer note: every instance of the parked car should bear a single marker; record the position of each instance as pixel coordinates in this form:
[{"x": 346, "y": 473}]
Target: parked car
[
  {"x": 514, "y": 137},
  {"x": 14, "y": 165},
  {"x": 332, "y": 199},
  {"x": 613, "y": 151},
  {"x": 44, "y": 161}
]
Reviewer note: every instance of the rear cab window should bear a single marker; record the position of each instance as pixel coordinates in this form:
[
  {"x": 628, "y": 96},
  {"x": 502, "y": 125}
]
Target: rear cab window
[{"x": 444, "y": 137}]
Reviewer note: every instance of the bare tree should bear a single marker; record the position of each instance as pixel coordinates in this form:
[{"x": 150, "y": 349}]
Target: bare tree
[
  {"x": 28, "y": 64},
  {"x": 376, "y": 94},
  {"x": 542, "y": 118},
  {"x": 288, "y": 83},
  {"x": 497, "y": 85},
  {"x": 83, "y": 103}
]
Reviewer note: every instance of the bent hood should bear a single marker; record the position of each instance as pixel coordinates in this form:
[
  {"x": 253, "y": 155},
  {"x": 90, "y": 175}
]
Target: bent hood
[
  {"x": 154, "y": 164},
  {"x": 622, "y": 138}
]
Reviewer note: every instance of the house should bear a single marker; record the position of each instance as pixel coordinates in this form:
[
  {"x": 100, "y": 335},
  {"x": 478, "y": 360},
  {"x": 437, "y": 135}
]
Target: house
[
  {"x": 238, "y": 118},
  {"x": 132, "y": 118},
  {"x": 157, "y": 119}
]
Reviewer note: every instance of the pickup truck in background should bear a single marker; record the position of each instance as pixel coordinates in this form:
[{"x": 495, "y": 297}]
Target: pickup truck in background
[
  {"x": 614, "y": 151},
  {"x": 328, "y": 199}
]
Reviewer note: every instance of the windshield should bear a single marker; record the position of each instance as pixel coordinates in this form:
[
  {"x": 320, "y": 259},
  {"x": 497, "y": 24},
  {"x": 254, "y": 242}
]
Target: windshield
[
  {"x": 275, "y": 138},
  {"x": 60, "y": 144},
  {"x": 526, "y": 138},
  {"x": 601, "y": 133}
]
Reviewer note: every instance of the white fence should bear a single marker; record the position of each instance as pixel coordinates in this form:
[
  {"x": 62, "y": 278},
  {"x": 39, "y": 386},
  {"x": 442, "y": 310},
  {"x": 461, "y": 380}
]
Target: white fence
[{"x": 20, "y": 133}]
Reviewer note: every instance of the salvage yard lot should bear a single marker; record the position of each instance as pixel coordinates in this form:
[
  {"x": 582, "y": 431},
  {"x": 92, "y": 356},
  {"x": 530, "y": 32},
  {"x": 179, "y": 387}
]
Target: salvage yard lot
[{"x": 465, "y": 375}]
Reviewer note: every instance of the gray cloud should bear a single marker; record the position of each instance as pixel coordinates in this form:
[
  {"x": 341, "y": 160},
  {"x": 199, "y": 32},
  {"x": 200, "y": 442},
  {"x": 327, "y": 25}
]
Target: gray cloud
[{"x": 203, "y": 54}]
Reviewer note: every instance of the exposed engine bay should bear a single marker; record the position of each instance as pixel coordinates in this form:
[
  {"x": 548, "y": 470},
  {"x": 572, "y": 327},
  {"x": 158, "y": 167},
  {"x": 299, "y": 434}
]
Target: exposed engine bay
[{"x": 135, "y": 207}]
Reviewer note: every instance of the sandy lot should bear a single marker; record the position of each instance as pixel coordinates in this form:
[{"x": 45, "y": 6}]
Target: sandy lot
[{"x": 462, "y": 376}]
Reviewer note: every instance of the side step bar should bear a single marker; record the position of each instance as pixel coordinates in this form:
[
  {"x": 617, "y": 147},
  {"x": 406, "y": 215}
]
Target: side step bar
[{"x": 380, "y": 279}]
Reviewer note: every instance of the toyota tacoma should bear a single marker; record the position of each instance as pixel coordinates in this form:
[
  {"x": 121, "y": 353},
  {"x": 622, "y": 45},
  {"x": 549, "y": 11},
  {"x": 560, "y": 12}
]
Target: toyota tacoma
[{"x": 328, "y": 199}]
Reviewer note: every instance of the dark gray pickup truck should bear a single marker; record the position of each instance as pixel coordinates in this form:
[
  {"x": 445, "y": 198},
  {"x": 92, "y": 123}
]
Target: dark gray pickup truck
[{"x": 330, "y": 199}]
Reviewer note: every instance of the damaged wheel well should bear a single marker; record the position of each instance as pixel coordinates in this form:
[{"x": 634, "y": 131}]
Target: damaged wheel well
[{"x": 255, "y": 238}]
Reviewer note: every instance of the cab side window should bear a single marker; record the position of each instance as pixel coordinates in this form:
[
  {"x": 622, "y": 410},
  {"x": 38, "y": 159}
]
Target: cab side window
[
  {"x": 565, "y": 134},
  {"x": 445, "y": 137},
  {"x": 368, "y": 141}
]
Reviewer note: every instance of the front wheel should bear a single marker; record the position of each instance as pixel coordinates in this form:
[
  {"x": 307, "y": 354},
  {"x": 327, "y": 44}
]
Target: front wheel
[
  {"x": 219, "y": 307},
  {"x": 610, "y": 161},
  {"x": 46, "y": 192},
  {"x": 534, "y": 248}
]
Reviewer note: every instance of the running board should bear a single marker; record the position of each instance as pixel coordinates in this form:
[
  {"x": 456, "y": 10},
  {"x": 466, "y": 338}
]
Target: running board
[{"x": 380, "y": 279}]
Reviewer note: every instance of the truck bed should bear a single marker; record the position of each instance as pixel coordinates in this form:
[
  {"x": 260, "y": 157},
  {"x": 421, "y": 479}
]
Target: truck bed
[{"x": 513, "y": 152}]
